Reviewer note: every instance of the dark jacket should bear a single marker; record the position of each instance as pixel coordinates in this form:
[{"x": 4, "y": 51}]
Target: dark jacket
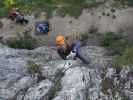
[
  {"x": 64, "y": 51},
  {"x": 74, "y": 47}
]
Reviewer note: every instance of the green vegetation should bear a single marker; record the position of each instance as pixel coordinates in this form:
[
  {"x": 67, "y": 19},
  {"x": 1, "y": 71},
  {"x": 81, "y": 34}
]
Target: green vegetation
[
  {"x": 33, "y": 67},
  {"x": 117, "y": 43},
  {"x": 57, "y": 85},
  {"x": 53, "y": 91},
  {"x": 25, "y": 41},
  {"x": 125, "y": 98},
  {"x": 120, "y": 48},
  {"x": 124, "y": 2},
  {"x": 120, "y": 98},
  {"x": 62, "y": 7},
  {"x": 126, "y": 58},
  {"x": 3, "y": 9},
  {"x": 107, "y": 84}
]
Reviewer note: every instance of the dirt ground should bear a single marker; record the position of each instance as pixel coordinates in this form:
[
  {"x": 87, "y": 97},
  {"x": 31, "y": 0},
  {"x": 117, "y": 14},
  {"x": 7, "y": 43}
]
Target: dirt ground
[{"x": 100, "y": 21}]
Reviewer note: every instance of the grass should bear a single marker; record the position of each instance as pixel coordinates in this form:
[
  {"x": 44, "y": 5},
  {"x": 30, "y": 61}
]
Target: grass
[
  {"x": 125, "y": 98},
  {"x": 57, "y": 86},
  {"x": 120, "y": 48},
  {"x": 3, "y": 9},
  {"x": 107, "y": 84},
  {"x": 116, "y": 43},
  {"x": 125, "y": 59},
  {"x": 53, "y": 91},
  {"x": 22, "y": 42},
  {"x": 120, "y": 98},
  {"x": 63, "y": 7},
  {"x": 122, "y": 3},
  {"x": 33, "y": 68}
]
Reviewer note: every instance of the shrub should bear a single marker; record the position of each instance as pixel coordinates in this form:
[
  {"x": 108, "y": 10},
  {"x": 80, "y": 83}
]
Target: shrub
[
  {"x": 107, "y": 84},
  {"x": 33, "y": 67},
  {"x": 22, "y": 42},
  {"x": 93, "y": 29},
  {"x": 120, "y": 97},
  {"x": 114, "y": 17},
  {"x": 53, "y": 91},
  {"x": 3, "y": 10},
  {"x": 1, "y": 24},
  {"x": 117, "y": 43},
  {"x": 125, "y": 59},
  {"x": 113, "y": 10},
  {"x": 120, "y": 48},
  {"x": 108, "y": 14},
  {"x": 62, "y": 7},
  {"x": 84, "y": 37},
  {"x": 124, "y": 2}
]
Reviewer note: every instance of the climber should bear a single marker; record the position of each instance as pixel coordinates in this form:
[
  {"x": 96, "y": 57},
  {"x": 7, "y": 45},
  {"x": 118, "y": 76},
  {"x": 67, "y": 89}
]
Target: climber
[
  {"x": 13, "y": 13},
  {"x": 63, "y": 48},
  {"x": 21, "y": 19},
  {"x": 67, "y": 51}
]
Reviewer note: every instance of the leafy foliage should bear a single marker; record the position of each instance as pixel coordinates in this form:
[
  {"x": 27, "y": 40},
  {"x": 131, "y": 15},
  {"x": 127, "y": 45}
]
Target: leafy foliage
[
  {"x": 115, "y": 42},
  {"x": 22, "y": 42},
  {"x": 120, "y": 48},
  {"x": 53, "y": 91},
  {"x": 126, "y": 58},
  {"x": 33, "y": 67},
  {"x": 124, "y": 2},
  {"x": 3, "y": 9},
  {"x": 62, "y": 7}
]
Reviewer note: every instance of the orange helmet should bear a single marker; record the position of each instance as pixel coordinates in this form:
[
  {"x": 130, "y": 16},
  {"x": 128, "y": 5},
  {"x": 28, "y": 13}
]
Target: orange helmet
[{"x": 60, "y": 39}]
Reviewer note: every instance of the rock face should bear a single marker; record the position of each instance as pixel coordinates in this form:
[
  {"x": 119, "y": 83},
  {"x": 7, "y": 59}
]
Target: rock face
[
  {"x": 80, "y": 83},
  {"x": 14, "y": 77},
  {"x": 38, "y": 91},
  {"x": 61, "y": 79}
]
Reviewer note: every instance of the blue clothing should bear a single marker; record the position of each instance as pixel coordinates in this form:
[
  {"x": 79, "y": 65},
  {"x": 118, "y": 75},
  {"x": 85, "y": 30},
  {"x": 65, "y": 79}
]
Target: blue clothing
[
  {"x": 75, "y": 47},
  {"x": 76, "y": 44}
]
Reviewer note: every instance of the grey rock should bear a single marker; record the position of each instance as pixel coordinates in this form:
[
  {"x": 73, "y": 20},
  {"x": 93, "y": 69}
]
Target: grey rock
[
  {"x": 14, "y": 78},
  {"x": 124, "y": 72},
  {"x": 129, "y": 94},
  {"x": 38, "y": 91},
  {"x": 95, "y": 55},
  {"x": 110, "y": 73},
  {"x": 79, "y": 81}
]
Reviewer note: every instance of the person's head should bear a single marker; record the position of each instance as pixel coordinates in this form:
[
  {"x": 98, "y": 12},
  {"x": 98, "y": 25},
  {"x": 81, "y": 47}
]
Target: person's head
[
  {"x": 13, "y": 8},
  {"x": 60, "y": 39}
]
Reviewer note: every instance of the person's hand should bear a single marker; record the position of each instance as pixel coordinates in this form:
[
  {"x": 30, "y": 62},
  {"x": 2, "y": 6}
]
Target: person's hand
[{"x": 72, "y": 55}]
